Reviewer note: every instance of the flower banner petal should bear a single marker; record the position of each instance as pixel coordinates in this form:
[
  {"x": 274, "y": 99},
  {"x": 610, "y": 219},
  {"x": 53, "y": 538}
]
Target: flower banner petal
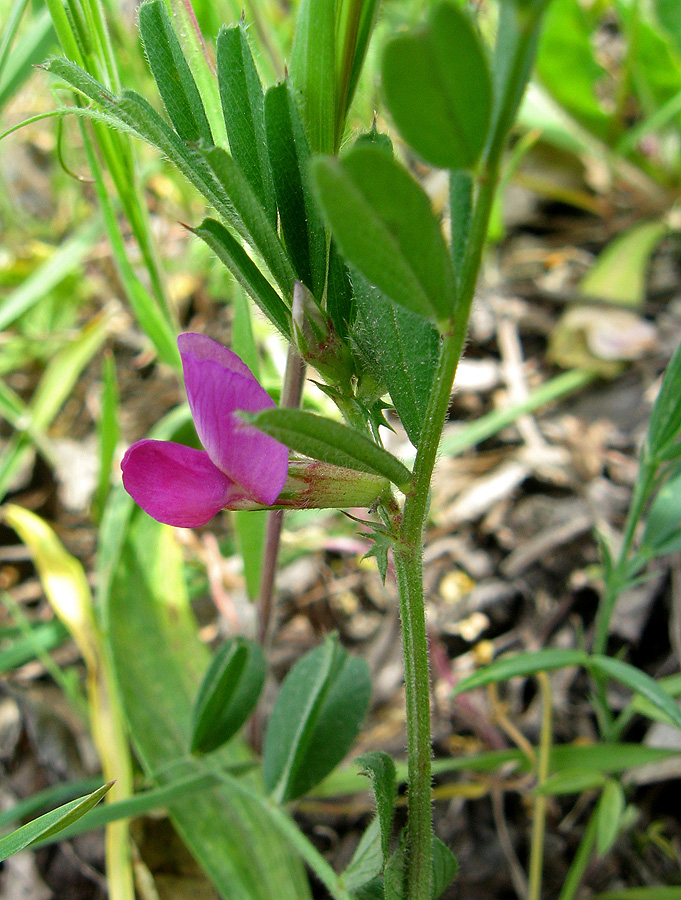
[
  {"x": 175, "y": 484},
  {"x": 218, "y": 385}
]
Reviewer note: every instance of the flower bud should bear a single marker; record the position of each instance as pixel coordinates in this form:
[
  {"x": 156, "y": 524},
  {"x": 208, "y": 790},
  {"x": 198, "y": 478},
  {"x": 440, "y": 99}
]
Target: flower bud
[{"x": 317, "y": 340}]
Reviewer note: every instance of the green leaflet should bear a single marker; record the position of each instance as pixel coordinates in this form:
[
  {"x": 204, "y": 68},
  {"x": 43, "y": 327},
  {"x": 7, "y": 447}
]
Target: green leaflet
[
  {"x": 316, "y": 718},
  {"x": 565, "y": 46},
  {"x": 329, "y": 441},
  {"x": 228, "y": 249},
  {"x": 172, "y": 74},
  {"x": 213, "y": 172},
  {"x": 242, "y": 101},
  {"x": 438, "y": 89},
  {"x": 228, "y": 694},
  {"x": 385, "y": 228},
  {"x": 400, "y": 348},
  {"x": 301, "y": 223}
]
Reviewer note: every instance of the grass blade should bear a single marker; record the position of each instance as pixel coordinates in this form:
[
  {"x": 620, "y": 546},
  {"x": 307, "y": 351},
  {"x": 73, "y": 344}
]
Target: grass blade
[{"x": 50, "y": 824}]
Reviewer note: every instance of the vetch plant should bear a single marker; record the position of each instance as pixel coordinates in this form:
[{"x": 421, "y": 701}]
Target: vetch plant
[
  {"x": 343, "y": 253},
  {"x": 358, "y": 235}
]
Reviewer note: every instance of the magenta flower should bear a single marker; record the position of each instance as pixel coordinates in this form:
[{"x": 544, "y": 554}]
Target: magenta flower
[{"x": 185, "y": 487}]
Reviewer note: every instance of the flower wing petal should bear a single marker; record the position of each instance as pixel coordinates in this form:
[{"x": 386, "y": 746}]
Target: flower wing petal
[
  {"x": 219, "y": 385},
  {"x": 175, "y": 484}
]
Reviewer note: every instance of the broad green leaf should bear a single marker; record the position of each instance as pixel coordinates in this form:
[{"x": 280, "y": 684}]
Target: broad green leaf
[
  {"x": 572, "y": 781},
  {"x": 229, "y": 251},
  {"x": 619, "y": 273},
  {"x": 665, "y": 419},
  {"x": 367, "y": 860},
  {"x": 312, "y": 72},
  {"x": 316, "y": 718},
  {"x": 329, "y": 441},
  {"x": 400, "y": 348},
  {"x": 301, "y": 223},
  {"x": 228, "y": 694},
  {"x": 241, "y": 96},
  {"x": 385, "y": 228},
  {"x": 438, "y": 89},
  {"x": 609, "y": 815},
  {"x": 50, "y": 824},
  {"x": 565, "y": 46},
  {"x": 146, "y": 606},
  {"x": 172, "y": 74},
  {"x": 444, "y": 866},
  {"x": 639, "y": 682},
  {"x": 663, "y": 524},
  {"x": 380, "y": 768},
  {"x": 522, "y": 665}
]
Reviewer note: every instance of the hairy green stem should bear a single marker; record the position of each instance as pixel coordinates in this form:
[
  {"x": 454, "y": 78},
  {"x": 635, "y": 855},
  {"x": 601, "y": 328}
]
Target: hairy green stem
[
  {"x": 513, "y": 67},
  {"x": 408, "y": 554},
  {"x": 409, "y": 570}
]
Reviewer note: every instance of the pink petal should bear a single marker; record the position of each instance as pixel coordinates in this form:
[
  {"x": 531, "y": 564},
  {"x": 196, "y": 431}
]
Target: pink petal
[
  {"x": 218, "y": 385},
  {"x": 203, "y": 347},
  {"x": 176, "y": 484}
]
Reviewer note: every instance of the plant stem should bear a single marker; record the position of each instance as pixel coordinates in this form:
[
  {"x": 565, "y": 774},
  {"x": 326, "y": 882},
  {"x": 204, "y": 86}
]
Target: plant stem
[
  {"x": 409, "y": 570},
  {"x": 408, "y": 554},
  {"x": 513, "y": 65},
  {"x": 581, "y": 860},
  {"x": 294, "y": 379},
  {"x": 539, "y": 811}
]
